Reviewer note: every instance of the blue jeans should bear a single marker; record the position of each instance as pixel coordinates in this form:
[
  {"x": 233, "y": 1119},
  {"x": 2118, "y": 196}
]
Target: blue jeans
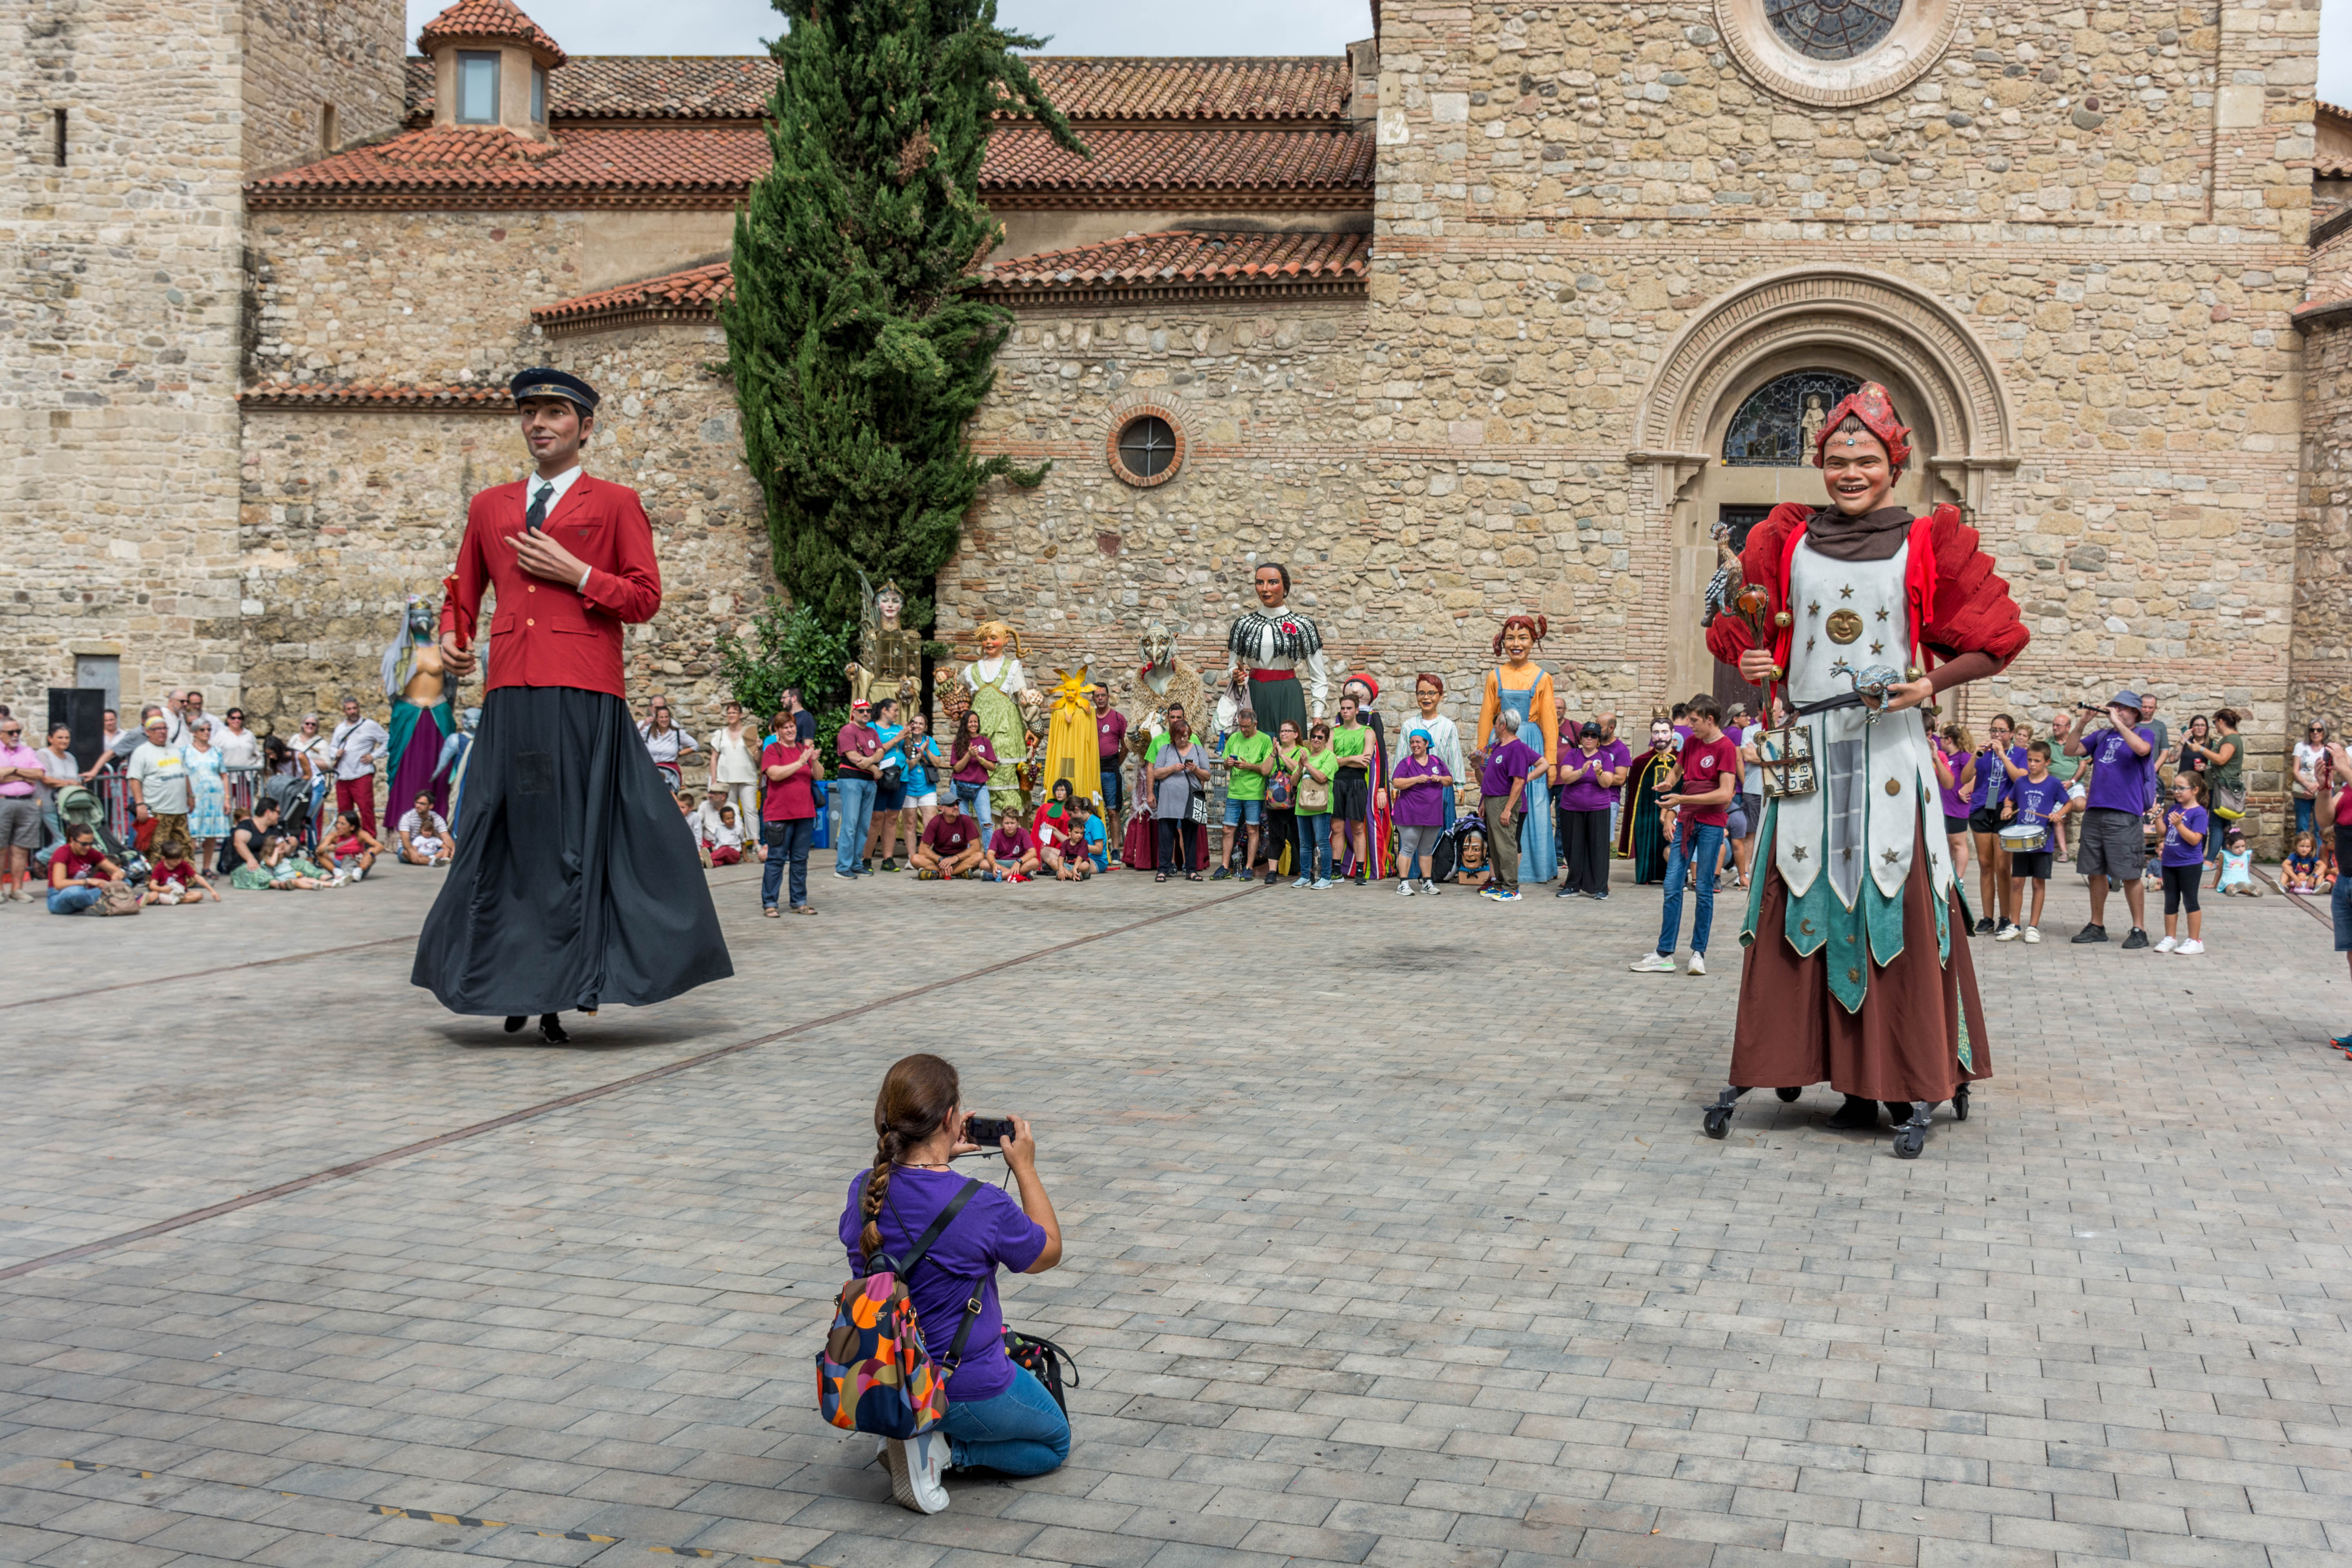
[
  {"x": 72, "y": 900},
  {"x": 1315, "y": 845},
  {"x": 2302, "y": 817},
  {"x": 854, "y": 796},
  {"x": 787, "y": 841},
  {"x": 1021, "y": 1432},
  {"x": 974, "y": 798},
  {"x": 1706, "y": 849}
]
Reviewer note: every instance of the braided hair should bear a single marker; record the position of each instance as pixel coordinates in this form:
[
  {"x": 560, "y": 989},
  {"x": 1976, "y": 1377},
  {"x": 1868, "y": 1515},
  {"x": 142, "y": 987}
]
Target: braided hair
[{"x": 918, "y": 1092}]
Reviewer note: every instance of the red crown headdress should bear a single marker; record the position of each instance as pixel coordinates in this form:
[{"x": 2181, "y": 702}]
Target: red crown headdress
[{"x": 1872, "y": 405}]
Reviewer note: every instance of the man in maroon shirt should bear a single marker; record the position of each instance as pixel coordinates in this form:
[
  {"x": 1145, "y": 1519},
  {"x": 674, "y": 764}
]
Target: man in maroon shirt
[
  {"x": 1110, "y": 732},
  {"x": 1701, "y": 802},
  {"x": 951, "y": 844},
  {"x": 576, "y": 882}
]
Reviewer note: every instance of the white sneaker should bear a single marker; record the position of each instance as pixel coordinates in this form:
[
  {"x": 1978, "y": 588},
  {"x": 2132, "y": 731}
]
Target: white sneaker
[
  {"x": 1653, "y": 964},
  {"x": 2007, "y": 932},
  {"x": 1320, "y": 884},
  {"x": 1429, "y": 887},
  {"x": 1404, "y": 889},
  {"x": 915, "y": 1465},
  {"x": 2167, "y": 944},
  {"x": 1697, "y": 964},
  {"x": 1299, "y": 882},
  {"x": 2033, "y": 934},
  {"x": 2191, "y": 948}
]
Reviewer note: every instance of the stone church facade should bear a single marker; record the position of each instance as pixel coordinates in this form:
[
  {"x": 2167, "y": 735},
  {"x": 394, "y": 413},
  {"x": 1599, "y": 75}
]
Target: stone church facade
[{"x": 1506, "y": 309}]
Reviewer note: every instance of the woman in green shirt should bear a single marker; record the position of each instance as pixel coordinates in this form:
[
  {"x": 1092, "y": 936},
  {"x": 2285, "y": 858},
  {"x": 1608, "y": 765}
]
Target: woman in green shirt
[
  {"x": 2224, "y": 754},
  {"x": 1281, "y": 822},
  {"x": 1317, "y": 764},
  {"x": 1351, "y": 791}
]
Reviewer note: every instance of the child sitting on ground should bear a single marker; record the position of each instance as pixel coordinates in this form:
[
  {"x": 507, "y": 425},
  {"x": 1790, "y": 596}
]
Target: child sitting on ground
[
  {"x": 1089, "y": 832},
  {"x": 173, "y": 878},
  {"x": 722, "y": 841},
  {"x": 2237, "y": 873},
  {"x": 1011, "y": 852},
  {"x": 2303, "y": 872}
]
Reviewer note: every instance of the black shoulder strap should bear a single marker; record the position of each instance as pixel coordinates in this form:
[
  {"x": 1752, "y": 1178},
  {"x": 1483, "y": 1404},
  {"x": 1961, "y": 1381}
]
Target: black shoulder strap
[{"x": 930, "y": 1233}]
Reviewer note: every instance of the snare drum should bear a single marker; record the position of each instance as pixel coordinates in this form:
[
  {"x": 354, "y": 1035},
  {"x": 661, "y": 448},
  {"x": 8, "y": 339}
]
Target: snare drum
[{"x": 2025, "y": 837}]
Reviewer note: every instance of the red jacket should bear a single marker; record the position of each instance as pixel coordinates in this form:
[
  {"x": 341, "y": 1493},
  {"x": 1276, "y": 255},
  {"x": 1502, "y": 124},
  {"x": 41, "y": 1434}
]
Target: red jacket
[{"x": 546, "y": 633}]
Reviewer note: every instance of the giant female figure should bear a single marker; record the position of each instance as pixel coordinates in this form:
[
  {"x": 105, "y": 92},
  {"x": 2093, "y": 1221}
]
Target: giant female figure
[
  {"x": 996, "y": 683},
  {"x": 421, "y": 720},
  {"x": 1857, "y": 967},
  {"x": 1519, "y": 684}
]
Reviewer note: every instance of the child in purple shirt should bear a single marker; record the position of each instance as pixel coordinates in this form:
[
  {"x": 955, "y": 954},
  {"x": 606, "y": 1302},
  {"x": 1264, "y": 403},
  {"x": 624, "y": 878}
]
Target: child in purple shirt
[
  {"x": 2182, "y": 859},
  {"x": 2036, "y": 800}
]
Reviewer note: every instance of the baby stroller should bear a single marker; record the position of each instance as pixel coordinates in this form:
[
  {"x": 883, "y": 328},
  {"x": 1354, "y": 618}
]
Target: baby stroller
[
  {"x": 79, "y": 806},
  {"x": 291, "y": 795}
]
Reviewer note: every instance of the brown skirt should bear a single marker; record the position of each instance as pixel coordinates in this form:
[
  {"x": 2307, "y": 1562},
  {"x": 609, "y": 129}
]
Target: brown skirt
[{"x": 1903, "y": 1043}]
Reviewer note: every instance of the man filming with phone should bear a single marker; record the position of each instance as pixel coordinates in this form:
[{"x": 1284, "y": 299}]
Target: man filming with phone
[{"x": 2123, "y": 783}]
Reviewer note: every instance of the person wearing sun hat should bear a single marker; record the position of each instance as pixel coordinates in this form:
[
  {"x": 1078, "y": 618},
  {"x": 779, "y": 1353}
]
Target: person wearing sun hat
[
  {"x": 576, "y": 881},
  {"x": 1857, "y": 967},
  {"x": 2111, "y": 844}
]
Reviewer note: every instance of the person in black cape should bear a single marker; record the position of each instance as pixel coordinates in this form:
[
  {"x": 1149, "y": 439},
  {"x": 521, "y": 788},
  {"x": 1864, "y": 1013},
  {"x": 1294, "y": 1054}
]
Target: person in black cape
[{"x": 576, "y": 882}]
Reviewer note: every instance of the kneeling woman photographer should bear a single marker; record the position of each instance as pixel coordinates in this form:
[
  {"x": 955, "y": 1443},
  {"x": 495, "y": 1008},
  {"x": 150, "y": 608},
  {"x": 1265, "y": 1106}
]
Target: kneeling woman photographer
[{"x": 1000, "y": 1418}]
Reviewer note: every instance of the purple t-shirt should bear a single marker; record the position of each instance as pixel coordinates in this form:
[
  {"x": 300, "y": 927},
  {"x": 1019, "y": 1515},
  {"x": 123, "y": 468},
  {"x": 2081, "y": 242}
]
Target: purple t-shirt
[
  {"x": 1509, "y": 760},
  {"x": 2123, "y": 780},
  {"x": 2179, "y": 851},
  {"x": 1423, "y": 806},
  {"x": 991, "y": 1232},
  {"x": 2037, "y": 798},
  {"x": 1955, "y": 804},
  {"x": 1992, "y": 780},
  {"x": 1582, "y": 793}
]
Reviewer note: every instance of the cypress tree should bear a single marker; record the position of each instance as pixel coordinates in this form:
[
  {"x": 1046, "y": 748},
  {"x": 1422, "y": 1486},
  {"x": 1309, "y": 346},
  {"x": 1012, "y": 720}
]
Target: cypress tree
[{"x": 859, "y": 349}]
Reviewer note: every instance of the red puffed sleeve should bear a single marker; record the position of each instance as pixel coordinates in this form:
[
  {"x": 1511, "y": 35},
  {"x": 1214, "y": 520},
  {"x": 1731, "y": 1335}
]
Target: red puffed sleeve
[
  {"x": 1971, "y": 611},
  {"x": 1764, "y": 560}
]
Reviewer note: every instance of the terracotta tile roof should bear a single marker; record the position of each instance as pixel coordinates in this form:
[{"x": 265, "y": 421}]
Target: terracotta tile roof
[
  {"x": 1203, "y": 88},
  {"x": 374, "y": 398},
  {"x": 1317, "y": 168},
  {"x": 689, "y": 295},
  {"x": 491, "y": 19},
  {"x": 667, "y": 166},
  {"x": 1187, "y": 262},
  {"x": 709, "y": 166},
  {"x": 2327, "y": 166},
  {"x": 2336, "y": 109},
  {"x": 1270, "y": 91},
  {"x": 462, "y": 147},
  {"x": 1179, "y": 263}
]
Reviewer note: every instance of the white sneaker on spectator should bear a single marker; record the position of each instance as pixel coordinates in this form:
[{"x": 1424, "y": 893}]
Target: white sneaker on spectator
[
  {"x": 2189, "y": 949},
  {"x": 915, "y": 1465},
  {"x": 2033, "y": 934},
  {"x": 1405, "y": 889},
  {"x": 1655, "y": 964},
  {"x": 1429, "y": 887},
  {"x": 2167, "y": 944},
  {"x": 1697, "y": 964}
]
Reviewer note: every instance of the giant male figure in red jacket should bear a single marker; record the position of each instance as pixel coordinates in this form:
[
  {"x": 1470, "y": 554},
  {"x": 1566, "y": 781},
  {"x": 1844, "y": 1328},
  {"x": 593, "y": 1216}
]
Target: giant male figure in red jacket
[{"x": 576, "y": 882}]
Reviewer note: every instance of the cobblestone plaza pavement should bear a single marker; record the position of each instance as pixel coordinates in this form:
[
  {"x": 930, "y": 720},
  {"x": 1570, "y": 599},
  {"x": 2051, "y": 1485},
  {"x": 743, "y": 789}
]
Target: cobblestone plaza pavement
[{"x": 1391, "y": 1238}]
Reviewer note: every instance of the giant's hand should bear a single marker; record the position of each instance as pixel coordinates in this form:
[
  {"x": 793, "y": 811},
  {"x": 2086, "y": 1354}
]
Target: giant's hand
[
  {"x": 541, "y": 557},
  {"x": 457, "y": 659},
  {"x": 1755, "y": 666},
  {"x": 1903, "y": 694}
]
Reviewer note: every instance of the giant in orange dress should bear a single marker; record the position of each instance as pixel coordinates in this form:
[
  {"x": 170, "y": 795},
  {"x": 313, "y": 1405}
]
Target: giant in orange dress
[{"x": 1857, "y": 969}]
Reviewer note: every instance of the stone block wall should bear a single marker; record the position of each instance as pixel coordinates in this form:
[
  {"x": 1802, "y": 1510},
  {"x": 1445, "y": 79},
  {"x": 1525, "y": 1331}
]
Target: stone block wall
[
  {"x": 2321, "y": 645},
  {"x": 437, "y": 299},
  {"x": 303, "y": 55},
  {"x": 118, "y": 330},
  {"x": 345, "y": 513}
]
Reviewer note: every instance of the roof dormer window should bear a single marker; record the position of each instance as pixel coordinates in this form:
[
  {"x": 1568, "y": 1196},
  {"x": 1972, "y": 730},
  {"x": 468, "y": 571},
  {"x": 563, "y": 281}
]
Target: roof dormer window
[
  {"x": 538, "y": 96},
  {"x": 478, "y": 87}
]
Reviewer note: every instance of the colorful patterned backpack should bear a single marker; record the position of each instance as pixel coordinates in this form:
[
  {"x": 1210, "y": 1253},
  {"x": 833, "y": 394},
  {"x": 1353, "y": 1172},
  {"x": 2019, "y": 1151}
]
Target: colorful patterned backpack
[{"x": 874, "y": 1374}]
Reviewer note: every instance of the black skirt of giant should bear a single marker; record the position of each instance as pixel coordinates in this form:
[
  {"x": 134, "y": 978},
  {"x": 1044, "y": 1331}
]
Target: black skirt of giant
[{"x": 576, "y": 881}]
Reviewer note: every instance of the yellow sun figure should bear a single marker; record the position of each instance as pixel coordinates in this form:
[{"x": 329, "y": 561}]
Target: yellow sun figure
[{"x": 1072, "y": 750}]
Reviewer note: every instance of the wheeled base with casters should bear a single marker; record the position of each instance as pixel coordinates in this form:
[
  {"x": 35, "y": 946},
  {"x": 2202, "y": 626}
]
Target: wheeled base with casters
[{"x": 1910, "y": 1136}]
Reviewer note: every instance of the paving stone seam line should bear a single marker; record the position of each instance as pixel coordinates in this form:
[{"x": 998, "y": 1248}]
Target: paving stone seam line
[
  {"x": 265, "y": 963},
  {"x": 579, "y": 1097},
  {"x": 2297, "y": 900},
  {"x": 427, "y": 1516}
]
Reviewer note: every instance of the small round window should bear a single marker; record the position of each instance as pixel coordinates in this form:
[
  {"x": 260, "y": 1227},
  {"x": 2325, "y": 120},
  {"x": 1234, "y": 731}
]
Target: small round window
[{"x": 1146, "y": 449}]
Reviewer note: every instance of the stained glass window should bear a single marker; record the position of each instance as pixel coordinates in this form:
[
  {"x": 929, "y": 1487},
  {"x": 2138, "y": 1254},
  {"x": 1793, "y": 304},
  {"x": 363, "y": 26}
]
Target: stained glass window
[
  {"x": 1833, "y": 29},
  {"x": 1772, "y": 428}
]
